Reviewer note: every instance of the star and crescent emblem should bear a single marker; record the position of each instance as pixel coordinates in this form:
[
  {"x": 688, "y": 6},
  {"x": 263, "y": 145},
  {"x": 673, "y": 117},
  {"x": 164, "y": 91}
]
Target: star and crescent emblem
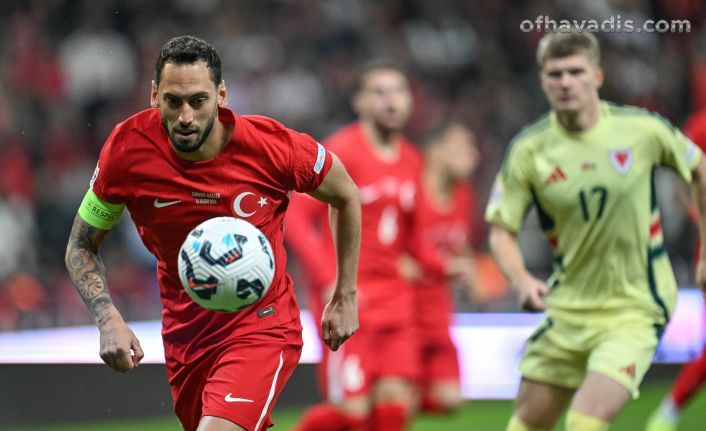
[{"x": 238, "y": 204}]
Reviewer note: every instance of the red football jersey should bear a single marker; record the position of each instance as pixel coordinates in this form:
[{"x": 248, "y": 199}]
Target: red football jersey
[
  {"x": 438, "y": 233},
  {"x": 168, "y": 196},
  {"x": 309, "y": 238},
  {"x": 387, "y": 194},
  {"x": 387, "y": 190}
]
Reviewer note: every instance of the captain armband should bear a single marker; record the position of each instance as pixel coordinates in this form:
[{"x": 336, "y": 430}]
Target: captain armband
[{"x": 98, "y": 213}]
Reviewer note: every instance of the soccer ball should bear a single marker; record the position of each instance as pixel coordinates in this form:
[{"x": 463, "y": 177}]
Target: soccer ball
[{"x": 226, "y": 264}]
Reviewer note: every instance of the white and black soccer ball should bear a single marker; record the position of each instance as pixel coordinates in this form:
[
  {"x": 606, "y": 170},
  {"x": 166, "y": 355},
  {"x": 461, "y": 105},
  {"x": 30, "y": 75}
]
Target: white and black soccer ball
[{"x": 226, "y": 264}]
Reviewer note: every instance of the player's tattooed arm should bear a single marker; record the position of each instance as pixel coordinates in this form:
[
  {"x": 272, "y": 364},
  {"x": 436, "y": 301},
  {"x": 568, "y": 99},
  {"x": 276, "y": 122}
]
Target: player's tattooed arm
[
  {"x": 86, "y": 268},
  {"x": 119, "y": 347}
]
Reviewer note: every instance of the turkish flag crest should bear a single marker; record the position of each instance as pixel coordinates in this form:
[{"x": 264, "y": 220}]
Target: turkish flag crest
[{"x": 621, "y": 160}]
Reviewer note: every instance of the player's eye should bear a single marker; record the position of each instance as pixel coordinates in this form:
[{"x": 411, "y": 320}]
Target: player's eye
[
  {"x": 556, "y": 74},
  {"x": 172, "y": 102},
  {"x": 198, "y": 101},
  {"x": 577, "y": 71}
]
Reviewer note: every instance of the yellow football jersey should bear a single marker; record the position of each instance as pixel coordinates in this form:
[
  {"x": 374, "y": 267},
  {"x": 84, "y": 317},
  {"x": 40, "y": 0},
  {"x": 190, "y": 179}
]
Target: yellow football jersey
[{"x": 595, "y": 194}]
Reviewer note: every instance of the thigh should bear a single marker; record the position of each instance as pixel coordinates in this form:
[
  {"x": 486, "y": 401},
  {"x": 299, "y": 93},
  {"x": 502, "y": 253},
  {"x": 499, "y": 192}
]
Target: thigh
[
  {"x": 212, "y": 423},
  {"x": 439, "y": 360},
  {"x": 616, "y": 366},
  {"x": 394, "y": 365},
  {"x": 344, "y": 372},
  {"x": 240, "y": 381},
  {"x": 248, "y": 377},
  {"x": 600, "y": 397},
  {"x": 394, "y": 354},
  {"x": 556, "y": 354},
  {"x": 540, "y": 405}
]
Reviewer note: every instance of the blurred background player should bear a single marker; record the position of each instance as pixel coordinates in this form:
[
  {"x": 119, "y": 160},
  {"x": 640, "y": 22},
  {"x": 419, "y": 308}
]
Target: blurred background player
[
  {"x": 225, "y": 370},
  {"x": 588, "y": 166},
  {"x": 370, "y": 379},
  {"x": 441, "y": 246},
  {"x": 692, "y": 376}
]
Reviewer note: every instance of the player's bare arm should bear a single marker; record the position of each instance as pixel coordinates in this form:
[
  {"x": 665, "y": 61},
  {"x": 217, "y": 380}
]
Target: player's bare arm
[
  {"x": 530, "y": 290},
  {"x": 698, "y": 190},
  {"x": 340, "y": 317},
  {"x": 87, "y": 272}
]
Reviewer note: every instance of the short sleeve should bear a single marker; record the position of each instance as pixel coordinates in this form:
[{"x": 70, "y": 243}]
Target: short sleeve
[
  {"x": 677, "y": 151},
  {"x": 107, "y": 179},
  {"x": 511, "y": 194},
  {"x": 310, "y": 162}
]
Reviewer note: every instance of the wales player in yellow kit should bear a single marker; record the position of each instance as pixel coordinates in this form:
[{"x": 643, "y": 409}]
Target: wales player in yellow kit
[{"x": 588, "y": 167}]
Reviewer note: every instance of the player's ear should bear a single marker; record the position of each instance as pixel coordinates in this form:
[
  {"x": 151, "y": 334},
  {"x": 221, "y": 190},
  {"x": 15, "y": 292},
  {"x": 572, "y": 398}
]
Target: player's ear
[
  {"x": 600, "y": 76},
  {"x": 222, "y": 94},
  {"x": 154, "y": 99},
  {"x": 357, "y": 103}
]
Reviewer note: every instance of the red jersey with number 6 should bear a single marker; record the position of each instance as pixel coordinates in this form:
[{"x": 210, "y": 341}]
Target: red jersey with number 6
[{"x": 387, "y": 194}]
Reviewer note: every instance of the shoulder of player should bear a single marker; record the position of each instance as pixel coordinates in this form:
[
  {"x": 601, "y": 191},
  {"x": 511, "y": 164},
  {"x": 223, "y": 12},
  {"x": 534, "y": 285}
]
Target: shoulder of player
[
  {"x": 636, "y": 114},
  {"x": 256, "y": 129},
  {"x": 128, "y": 133},
  {"x": 344, "y": 138},
  {"x": 530, "y": 135}
]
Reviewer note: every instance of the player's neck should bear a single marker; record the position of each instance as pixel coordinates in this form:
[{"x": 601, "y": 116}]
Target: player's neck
[
  {"x": 385, "y": 143},
  {"x": 580, "y": 121},
  {"x": 438, "y": 185}
]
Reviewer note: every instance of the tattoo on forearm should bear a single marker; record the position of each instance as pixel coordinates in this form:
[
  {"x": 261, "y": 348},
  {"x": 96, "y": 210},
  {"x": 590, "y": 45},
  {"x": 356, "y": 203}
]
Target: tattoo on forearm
[
  {"x": 86, "y": 267},
  {"x": 99, "y": 308},
  {"x": 79, "y": 258},
  {"x": 91, "y": 285}
]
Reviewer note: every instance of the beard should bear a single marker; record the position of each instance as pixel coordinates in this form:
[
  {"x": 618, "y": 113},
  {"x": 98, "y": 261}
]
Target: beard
[{"x": 190, "y": 147}]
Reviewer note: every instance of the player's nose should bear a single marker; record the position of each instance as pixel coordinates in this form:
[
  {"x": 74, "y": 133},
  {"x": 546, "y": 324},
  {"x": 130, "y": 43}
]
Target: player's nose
[
  {"x": 565, "y": 79},
  {"x": 186, "y": 115}
]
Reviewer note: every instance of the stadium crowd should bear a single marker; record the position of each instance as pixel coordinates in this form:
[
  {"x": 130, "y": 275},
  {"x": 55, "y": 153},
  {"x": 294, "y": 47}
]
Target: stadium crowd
[{"x": 70, "y": 69}]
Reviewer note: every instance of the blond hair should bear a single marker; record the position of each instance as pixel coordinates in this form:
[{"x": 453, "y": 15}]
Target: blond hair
[{"x": 558, "y": 45}]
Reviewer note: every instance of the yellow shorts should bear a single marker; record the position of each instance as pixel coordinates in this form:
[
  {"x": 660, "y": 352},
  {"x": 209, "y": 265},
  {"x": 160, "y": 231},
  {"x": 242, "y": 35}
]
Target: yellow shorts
[{"x": 561, "y": 353}]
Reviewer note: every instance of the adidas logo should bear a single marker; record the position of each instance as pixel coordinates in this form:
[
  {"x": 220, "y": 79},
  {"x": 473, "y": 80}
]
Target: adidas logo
[
  {"x": 556, "y": 176},
  {"x": 629, "y": 370}
]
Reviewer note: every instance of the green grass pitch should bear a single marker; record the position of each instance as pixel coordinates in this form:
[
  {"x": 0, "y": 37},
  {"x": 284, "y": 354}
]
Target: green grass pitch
[{"x": 476, "y": 415}]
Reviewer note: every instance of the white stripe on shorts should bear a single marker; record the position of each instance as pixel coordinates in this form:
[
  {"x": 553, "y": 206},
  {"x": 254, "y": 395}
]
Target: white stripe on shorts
[
  {"x": 334, "y": 375},
  {"x": 272, "y": 393}
]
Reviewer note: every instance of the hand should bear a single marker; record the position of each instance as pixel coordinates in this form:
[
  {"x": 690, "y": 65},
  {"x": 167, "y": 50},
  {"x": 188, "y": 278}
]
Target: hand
[
  {"x": 408, "y": 268},
  {"x": 339, "y": 321},
  {"x": 531, "y": 292},
  {"x": 119, "y": 347},
  {"x": 462, "y": 267}
]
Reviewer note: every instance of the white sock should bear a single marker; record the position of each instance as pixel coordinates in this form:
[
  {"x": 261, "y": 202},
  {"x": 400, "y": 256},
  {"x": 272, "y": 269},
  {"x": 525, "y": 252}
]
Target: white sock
[{"x": 669, "y": 410}]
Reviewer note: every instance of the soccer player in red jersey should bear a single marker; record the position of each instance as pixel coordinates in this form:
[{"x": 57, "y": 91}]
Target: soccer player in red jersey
[
  {"x": 693, "y": 375},
  {"x": 368, "y": 381},
  {"x": 440, "y": 244},
  {"x": 186, "y": 160}
]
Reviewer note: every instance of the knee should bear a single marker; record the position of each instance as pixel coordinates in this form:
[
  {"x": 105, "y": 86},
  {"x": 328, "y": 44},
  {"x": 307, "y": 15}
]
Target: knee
[
  {"x": 533, "y": 419},
  {"x": 358, "y": 407},
  {"x": 393, "y": 390},
  {"x": 447, "y": 400}
]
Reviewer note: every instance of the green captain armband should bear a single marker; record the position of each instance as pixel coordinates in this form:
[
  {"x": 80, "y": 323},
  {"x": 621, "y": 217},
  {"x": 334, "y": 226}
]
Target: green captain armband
[{"x": 98, "y": 213}]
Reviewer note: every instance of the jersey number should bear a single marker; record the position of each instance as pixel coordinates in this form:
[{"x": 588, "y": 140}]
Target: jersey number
[
  {"x": 387, "y": 226},
  {"x": 599, "y": 192}
]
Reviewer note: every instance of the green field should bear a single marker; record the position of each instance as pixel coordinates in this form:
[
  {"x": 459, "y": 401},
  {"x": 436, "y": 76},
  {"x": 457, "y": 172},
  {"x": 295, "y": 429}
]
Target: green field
[{"x": 478, "y": 415}]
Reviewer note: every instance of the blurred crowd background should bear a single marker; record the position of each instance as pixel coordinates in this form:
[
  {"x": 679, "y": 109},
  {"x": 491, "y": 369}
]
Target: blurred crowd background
[{"x": 71, "y": 69}]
